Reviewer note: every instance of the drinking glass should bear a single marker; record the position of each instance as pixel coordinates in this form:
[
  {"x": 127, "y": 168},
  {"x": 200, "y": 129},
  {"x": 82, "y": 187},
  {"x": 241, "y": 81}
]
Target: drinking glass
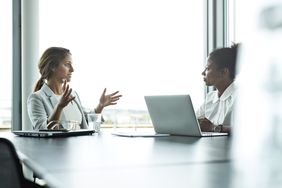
[{"x": 94, "y": 121}]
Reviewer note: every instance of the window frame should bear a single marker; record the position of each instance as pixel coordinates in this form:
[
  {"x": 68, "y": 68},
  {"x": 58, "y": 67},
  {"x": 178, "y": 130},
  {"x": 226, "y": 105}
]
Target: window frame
[{"x": 16, "y": 69}]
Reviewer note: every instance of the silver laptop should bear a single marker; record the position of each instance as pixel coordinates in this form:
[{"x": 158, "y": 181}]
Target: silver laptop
[
  {"x": 174, "y": 115},
  {"x": 54, "y": 133}
]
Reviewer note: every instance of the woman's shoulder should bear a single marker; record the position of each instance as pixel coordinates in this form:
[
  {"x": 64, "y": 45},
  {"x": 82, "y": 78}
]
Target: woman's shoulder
[
  {"x": 44, "y": 91},
  {"x": 40, "y": 94},
  {"x": 35, "y": 95}
]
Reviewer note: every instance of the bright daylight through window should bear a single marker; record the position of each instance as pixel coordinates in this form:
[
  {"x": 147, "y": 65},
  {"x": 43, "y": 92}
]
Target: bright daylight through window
[
  {"x": 148, "y": 47},
  {"x": 6, "y": 63}
]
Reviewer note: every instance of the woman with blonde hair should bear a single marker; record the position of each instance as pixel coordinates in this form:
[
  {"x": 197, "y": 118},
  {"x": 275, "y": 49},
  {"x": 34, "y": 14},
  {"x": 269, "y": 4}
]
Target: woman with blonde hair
[{"x": 53, "y": 100}]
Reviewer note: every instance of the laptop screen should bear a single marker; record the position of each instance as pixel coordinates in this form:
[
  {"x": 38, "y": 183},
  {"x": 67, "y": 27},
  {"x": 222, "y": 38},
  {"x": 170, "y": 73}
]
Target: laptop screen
[{"x": 173, "y": 114}]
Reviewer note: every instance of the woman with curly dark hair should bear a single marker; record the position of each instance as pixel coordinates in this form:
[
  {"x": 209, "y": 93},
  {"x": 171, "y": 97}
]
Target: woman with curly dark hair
[{"x": 215, "y": 115}]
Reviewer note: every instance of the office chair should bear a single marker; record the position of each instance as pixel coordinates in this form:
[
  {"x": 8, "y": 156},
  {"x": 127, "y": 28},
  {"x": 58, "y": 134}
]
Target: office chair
[{"x": 11, "y": 172}]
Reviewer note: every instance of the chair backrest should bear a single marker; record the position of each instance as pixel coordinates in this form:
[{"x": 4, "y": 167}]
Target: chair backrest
[{"x": 11, "y": 173}]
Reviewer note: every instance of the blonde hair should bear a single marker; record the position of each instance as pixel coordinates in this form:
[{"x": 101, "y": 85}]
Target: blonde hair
[{"x": 49, "y": 60}]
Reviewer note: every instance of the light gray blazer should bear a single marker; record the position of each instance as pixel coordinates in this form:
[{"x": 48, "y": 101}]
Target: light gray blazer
[{"x": 41, "y": 104}]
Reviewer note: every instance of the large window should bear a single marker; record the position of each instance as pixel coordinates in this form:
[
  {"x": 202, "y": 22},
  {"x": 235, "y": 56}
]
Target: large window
[
  {"x": 148, "y": 47},
  {"x": 239, "y": 23},
  {"x": 6, "y": 63}
]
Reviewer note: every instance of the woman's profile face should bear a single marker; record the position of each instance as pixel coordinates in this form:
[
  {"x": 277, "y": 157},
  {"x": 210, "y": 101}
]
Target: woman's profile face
[
  {"x": 211, "y": 74},
  {"x": 64, "y": 70}
]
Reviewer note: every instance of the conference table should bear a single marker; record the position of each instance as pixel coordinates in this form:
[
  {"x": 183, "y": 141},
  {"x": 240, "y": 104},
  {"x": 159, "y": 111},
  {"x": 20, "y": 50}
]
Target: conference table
[{"x": 106, "y": 160}]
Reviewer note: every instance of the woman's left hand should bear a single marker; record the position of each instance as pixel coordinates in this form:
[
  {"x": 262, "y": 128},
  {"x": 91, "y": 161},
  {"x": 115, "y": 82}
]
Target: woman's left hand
[{"x": 107, "y": 100}]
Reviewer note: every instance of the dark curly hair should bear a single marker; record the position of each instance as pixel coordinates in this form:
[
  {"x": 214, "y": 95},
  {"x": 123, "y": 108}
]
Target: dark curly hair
[{"x": 226, "y": 58}]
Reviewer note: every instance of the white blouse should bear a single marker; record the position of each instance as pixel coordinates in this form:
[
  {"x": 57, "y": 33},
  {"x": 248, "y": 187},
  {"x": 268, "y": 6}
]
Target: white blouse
[{"x": 219, "y": 110}]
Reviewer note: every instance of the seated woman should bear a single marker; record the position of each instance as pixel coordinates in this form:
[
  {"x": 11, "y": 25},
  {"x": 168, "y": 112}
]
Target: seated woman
[
  {"x": 215, "y": 114},
  {"x": 53, "y": 100}
]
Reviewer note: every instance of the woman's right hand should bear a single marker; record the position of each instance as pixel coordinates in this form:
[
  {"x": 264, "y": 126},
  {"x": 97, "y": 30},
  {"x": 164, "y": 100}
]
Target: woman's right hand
[
  {"x": 206, "y": 125},
  {"x": 66, "y": 97}
]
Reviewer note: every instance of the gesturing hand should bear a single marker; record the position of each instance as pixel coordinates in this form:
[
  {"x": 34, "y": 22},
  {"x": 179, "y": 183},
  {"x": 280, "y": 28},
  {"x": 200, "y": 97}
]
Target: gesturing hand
[
  {"x": 66, "y": 97},
  {"x": 107, "y": 100}
]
